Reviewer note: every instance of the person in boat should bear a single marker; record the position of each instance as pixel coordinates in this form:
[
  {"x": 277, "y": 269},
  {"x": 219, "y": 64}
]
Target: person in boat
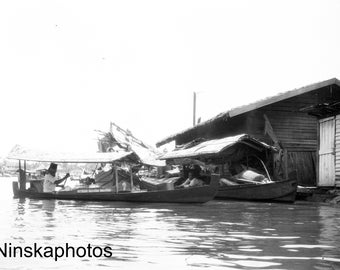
[
  {"x": 50, "y": 180},
  {"x": 193, "y": 178}
]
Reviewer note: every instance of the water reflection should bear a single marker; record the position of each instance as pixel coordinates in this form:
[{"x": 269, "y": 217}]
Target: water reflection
[
  {"x": 48, "y": 206},
  {"x": 219, "y": 234}
]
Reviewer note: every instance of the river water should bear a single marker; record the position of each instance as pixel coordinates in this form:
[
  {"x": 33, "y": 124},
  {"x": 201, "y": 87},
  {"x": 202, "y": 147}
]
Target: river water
[{"x": 215, "y": 235}]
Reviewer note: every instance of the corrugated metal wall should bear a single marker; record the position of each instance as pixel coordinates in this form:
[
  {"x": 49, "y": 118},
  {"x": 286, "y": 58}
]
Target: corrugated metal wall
[
  {"x": 298, "y": 134},
  {"x": 337, "y": 150},
  {"x": 297, "y": 131},
  {"x": 327, "y": 152},
  {"x": 302, "y": 165}
]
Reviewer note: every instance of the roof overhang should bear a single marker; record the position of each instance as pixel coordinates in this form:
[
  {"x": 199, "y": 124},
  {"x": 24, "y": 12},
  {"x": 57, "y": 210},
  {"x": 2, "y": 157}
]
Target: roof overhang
[
  {"x": 256, "y": 105},
  {"x": 323, "y": 110}
]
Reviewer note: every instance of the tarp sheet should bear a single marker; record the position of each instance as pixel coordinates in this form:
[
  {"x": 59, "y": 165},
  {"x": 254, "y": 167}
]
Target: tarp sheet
[
  {"x": 20, "y": 153},
  {"x": 217, "y": 146}
]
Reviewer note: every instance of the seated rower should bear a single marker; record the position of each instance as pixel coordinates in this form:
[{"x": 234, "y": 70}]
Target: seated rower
[
  {"x": 50, "y": 180},
  {"x": 193, "y": 180}
]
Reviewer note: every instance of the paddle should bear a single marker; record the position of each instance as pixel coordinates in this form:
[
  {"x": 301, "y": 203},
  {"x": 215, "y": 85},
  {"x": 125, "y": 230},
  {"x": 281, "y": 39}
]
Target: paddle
[{"x": 61, "y": 180}]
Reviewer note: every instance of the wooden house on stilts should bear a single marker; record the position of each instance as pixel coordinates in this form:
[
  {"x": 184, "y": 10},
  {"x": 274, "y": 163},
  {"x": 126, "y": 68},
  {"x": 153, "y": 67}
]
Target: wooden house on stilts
[{"x": 303, "y": 123}]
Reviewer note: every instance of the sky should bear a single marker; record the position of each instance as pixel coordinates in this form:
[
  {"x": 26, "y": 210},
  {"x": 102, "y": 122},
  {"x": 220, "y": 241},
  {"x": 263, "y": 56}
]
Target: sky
[{"x": 68, "y": 68}]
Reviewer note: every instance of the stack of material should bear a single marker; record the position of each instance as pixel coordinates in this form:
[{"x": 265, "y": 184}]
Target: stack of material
[
  {"x": 247, "y": 176},
  {"x": 159, "y": 184},
  {"x": 104, "y": 177},
  {"x": 251, "y": 176},
  {"x": 107, "y": 179}
]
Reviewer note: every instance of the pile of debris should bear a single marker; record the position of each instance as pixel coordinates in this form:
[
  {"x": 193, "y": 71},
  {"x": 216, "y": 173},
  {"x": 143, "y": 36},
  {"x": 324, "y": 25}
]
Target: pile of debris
[
  {"x": 323, "y": 195},
  {"x": 118, "y": 139}
]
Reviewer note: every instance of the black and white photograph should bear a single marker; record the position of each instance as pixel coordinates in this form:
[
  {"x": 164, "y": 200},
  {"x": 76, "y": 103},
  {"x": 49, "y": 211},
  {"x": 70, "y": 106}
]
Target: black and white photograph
[{"x": 186, "y": 134}]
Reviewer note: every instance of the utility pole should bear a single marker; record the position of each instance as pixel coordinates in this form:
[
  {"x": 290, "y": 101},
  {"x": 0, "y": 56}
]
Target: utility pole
[{"x": 194, "y": 110}]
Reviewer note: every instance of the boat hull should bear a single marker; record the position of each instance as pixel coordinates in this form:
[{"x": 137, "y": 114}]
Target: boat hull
[
  {"x": 185, "y": 195},
  {"x": 282, "y": 191}
]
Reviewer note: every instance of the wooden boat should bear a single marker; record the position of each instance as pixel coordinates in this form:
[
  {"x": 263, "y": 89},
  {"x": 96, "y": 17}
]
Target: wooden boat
[
  {"x": 200, "y": 194},
  {"x": 282, "y": 191},
  {"x": 185, "y": 195},
  {"x": 237, "y": 149}
]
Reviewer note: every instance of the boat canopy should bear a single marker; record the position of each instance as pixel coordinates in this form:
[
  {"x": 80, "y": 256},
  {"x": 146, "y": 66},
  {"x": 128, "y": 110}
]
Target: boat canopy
[
  {"x": 215, "y": 147},
  {"x": 20, "y": 153}
]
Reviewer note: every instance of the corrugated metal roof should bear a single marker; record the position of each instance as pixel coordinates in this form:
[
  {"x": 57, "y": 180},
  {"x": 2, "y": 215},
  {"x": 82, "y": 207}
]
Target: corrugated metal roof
[
  {"x": 21, "y": 153},
  {"x": 255, "y": 105},
  {"x": 282, "y": 96},
  {"x": 126, "y": 141},
  {"x": 214, "y": 147}
]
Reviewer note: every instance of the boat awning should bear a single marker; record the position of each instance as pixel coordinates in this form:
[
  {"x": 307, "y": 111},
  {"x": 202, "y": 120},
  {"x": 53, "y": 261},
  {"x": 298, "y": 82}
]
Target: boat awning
[
  {"x": 20, "y": 153},
  {"x": 215, "y": 147},
  {"x": 153, "y": 162}
]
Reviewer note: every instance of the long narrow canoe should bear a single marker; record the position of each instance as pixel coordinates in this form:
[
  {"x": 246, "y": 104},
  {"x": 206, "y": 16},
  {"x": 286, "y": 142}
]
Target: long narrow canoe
[
  {"x": 200, "y": 194},
  {"x": 283, "y": 191}
]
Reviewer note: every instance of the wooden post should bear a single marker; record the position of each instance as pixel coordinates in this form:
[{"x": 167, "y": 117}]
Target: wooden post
[
  {"x": 19, "y": 176},
  {"x": 116, "y": 176},
  {"x": 285, "y": 154},
  {"x": 22, "y": 176},
  {"x": 317, "y": 156},
  {"x": 131, "y": 178}
]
